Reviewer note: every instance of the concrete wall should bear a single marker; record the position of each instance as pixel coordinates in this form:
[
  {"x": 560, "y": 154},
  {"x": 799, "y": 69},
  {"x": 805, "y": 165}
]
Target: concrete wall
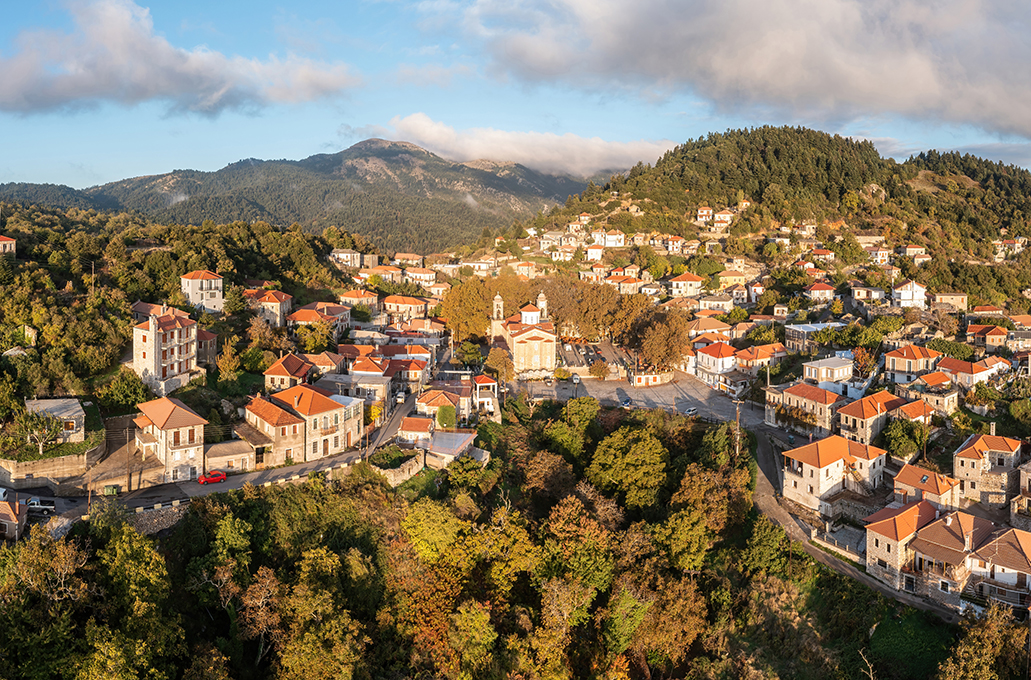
[{"x": 49, "y": 471}]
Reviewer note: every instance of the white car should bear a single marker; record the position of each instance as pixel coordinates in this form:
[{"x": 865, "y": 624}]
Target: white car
[{"x": 690, "y": 411}]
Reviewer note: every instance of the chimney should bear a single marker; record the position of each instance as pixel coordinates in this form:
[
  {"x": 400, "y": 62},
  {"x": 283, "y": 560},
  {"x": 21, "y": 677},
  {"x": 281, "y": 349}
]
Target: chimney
[
  {"x": 153, "y": 324},
  {"x": 991, "y": 428},
  {"x": 948, "y": 521},
  {"x": 966, "y": 542},
  {"x": 937, "y": 513},
  {"x": 297, "y": 400}
]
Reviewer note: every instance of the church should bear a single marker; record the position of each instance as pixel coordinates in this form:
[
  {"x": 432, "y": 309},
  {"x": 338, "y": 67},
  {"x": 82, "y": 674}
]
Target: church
[{"x": 528, "y": 336}]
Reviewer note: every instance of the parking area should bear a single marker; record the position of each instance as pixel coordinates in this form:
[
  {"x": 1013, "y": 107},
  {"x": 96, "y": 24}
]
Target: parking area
[
  {"x": 685, "y": 392},
  {"x": 583, "y": 354}
]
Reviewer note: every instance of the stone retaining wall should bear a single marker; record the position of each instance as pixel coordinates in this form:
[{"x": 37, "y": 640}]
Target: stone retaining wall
[
  {"x": 409, "y": 469},
  {"x": 49, "y": 471}
]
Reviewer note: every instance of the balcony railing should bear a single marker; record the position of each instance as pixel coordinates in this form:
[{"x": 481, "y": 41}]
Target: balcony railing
[{"x": 792, "y": 471}]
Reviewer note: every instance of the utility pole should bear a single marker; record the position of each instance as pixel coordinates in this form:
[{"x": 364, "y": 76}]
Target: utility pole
[
  {"x": 93, "y": 277},
  {"x": 737, "y": 429},
  {"x": 128, "y": 475}
]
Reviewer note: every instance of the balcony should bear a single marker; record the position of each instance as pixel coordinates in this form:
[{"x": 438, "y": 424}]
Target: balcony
[
  {"x": 332, "y": 429},
  {"x": 792, "y": 471}
]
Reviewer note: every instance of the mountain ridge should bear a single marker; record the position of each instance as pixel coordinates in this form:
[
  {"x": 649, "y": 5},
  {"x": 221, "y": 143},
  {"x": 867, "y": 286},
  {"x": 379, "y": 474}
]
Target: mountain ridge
[{"x": 396, "y": 193}]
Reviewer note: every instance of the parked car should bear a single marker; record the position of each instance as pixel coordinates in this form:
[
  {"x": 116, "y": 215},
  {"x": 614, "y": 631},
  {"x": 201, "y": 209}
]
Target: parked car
[
  {"x": 690, "y": 411},
  {"x": 627, "y": 402},
  {"x": 212, "y": 477},
  {"x": 38, "y": 506}
]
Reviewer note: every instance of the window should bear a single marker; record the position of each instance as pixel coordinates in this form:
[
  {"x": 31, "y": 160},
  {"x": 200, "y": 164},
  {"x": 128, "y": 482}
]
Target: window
[
  {"x": 336, "y": 442},
  {"x": 877, "y": 543},
  {"x": 882, "y": 564},
  {"x": 888, "y": 547},
  {"x": 191, "y": 437},
  {"x": 973, "y": 485},
  {"x": 810, "y": 488},
  {"x": 282, "y": 432},
  {"x": 144, "y": 337},
  {"x": 175, "y": 438},
  {"x": 295, "y": 429},
  {"x": 69, "y": 425},
  {"x": 144, "y": 355},
  {"x": 314, "y": 448},
  {"x": 943, "y": 586}
]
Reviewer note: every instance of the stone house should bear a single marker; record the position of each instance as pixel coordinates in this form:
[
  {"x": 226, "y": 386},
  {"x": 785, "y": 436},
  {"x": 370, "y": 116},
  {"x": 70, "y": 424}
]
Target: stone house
[
  {"x": 416, "y": 430},
  {"x": 164, "y": 352},
  {"x": 914, "y": 483},
  {"x": 864, "y": 419},
  {"x": 941, "y": 552},
  {"x": 68, "y": 411},
  {"x": 271, "y": 305},
  {"x": 8, "y": 246},
  {"x": 207, "y": 348},
  {"x": 432, "y": 401},
  {"x": 987, "y": 467},
  {"x": 172, "y": 432},
  {"x": 368, "y": 299},
  {"x": 289, "y": 371},
  {"x": 888, "y": 536},
  {"x": 275, "y": 434},
  {"x": 686, "y": 285},
  {"x": 936, "y": 390},
  {"x": 1020, "y": 505},
  {"x": 804, "y": 407}
]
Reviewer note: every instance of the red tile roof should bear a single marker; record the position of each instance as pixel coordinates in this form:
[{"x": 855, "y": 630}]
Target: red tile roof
[
  {"x": 978, "y": 446},
  {"x": 168, "y": 414},
  {"x": 290, "y": 366},
  {"x": 813, "y": 393},
  {"x": 901, "y": 523},
  {"x": 925, "y": 480},
  {"x": 270, "y": 413},
  {"x": 306, "y": 400},
  {"x": 829, "y": 450},
  {"x": 872, "y": 405},
  {"x": 201, "y": 274}
]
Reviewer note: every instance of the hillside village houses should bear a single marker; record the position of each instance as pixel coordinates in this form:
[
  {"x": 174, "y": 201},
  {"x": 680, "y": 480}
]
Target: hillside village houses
[{"x": 203, "y": 290}]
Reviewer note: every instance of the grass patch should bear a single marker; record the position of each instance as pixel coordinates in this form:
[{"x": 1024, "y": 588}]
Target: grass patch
[
  {"x": 94, "y": 435},
  {"x": 910, "y": 644},
  {"x": 422, "y": 484}
]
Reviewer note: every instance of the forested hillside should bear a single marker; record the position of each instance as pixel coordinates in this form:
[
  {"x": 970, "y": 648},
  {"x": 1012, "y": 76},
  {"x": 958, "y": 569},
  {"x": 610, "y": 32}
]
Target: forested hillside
[
  {"x": 596, "y": 544},
  {"x": 399, "y": 195}
]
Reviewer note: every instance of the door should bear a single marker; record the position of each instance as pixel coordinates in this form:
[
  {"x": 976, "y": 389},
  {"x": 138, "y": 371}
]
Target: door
[
  {"x": 349, "y": 439},
  {"x": 325, "y": 447}
]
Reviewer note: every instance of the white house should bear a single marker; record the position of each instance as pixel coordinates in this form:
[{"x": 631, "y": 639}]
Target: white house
[{"x": 909, "y": 294}]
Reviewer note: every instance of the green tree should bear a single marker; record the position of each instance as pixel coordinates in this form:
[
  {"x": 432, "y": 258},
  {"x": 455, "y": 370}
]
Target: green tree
[
  {"x": 38, "y": 427},
  {"x": 234, "y": 301},
  {"x": 467, "y": 309},
  {"x": 632, "y": 463},
  {"x": 499, "y": 362},
  {"x": 431, "y": 528},
  {"x": 315, "y": 337},
  {"x": 229, "y": 361},
  {"x": 469, "y": 354},
  {"x": 599, "y": 369}
]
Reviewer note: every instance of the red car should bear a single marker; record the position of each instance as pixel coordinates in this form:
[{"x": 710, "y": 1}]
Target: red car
[{"x": 213, "y": 477}]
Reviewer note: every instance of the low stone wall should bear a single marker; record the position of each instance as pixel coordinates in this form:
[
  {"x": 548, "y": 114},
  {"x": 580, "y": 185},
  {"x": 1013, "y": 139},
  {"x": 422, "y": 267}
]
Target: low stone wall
[
  {"x": 842, "y": 549},
  {"x": 409, "y": 469},
  {"x": 49, "y": 471}
]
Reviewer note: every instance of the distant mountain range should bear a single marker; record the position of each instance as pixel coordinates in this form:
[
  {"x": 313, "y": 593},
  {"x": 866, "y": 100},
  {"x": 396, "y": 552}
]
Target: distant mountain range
[{"x": 397, "y": 194}]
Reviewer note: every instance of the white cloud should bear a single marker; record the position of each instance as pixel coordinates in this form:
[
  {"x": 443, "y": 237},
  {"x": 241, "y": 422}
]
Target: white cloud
[
  {"x": 113, "y": 54},
  {"x": 543, "y": 151},
  {"x": 958, "y": 61}
]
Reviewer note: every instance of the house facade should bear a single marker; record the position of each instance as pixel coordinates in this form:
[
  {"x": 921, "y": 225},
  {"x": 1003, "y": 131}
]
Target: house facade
[
  {"x": 204, "y": 290},
  {"x": 172, "y": 432},
  {"x": 164, "y": 350},
  {"x": 815, "y": 472}
]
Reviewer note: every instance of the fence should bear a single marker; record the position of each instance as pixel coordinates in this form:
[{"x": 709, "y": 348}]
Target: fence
[{"x": 832, "y": 543}]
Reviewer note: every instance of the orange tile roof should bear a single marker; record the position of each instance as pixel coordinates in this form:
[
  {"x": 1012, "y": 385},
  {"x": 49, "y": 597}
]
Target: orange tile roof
[
  {"x": 368, "y": 365},
  {"x": 936, "y": 378},
  {"x": 1010, "y": 549},
  {"x": 355, "y": 351},
  {"x": 402, "y": 300},
  {"x": 201, "y": 274},
  {"x": 829, "y": 450},
  {"x": 484, "y": 380},
  {"x": 416, "y": 424},
  {"x": 310, "y": 316},
  {"x": 978, "y": 446},
  {"x": 915, "y": 410},
  {"x": 912, "y": 352},
  {"x": 290, "y": 366},
  {"x": 872, "y": 405},
  {"x": 168, "y": 322},
  {"x": 268, "y": 412},
  {"x": 169, "y": 414},
  {"x": 901, "y": 523},
  {"x": 688, "y": 276},
  {"x": 274, "y": 296},
  {"x": 358, "y": 294},
  {"x": 437, "y": 398},
  {"x": 306, "y": 400},
  {"x": 718, "y": 350},
  {"x": 711, "y": 337},
  {"x": 925, "y": 480},
  {"x": 950, "y": 365},
  {"x": 813, "y": 393}
]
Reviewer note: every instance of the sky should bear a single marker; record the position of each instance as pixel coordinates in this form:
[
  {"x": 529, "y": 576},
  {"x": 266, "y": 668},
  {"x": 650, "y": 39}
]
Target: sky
[{"x": 93, "y": 91}]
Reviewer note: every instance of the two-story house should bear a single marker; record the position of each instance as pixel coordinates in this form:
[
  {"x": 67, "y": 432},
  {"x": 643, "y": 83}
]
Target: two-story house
[
  {"x": 686, "y": 285},
  {"x": 820, "y": 293},
  {"x": 172, "y": 432},
  {"x": 367, "y": 299},
  {"x": 271, "y": 305},
  {"x": 906, "y": 364},
  {"x": 804, "y": 407},
  {"x": 713, "y": 360},
  {"x": 909, "y": 294},
  {"x": 832, "y": 371},
  {"x": 888, "y": 537},
  {"x": 1000, "y": 569},
  {"x": 864, "y": 419},
  {"x": 288, "y": 371},
  {"x": 275, "y": 434},
  {"x": 914, "y": 483},
  {"x": 942, "y": 553},
  {"x": 815, "y": 472},
  {"x": 936, "y": 390},
  {"x": 987, "y": 467},
  {"x": 991, "y": 338},
  {"x": 203, "y": 289},
  {"x": 333, "y": 423}
]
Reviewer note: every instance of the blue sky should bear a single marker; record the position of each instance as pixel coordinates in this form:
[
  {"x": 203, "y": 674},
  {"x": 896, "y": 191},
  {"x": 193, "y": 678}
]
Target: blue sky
[{"x": 93, "y": 91}]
